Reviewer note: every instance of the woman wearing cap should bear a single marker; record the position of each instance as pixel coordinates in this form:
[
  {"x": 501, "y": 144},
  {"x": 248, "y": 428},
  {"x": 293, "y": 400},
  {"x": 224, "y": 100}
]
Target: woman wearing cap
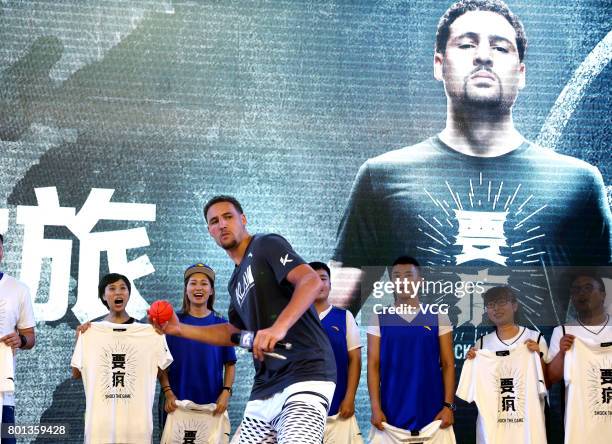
[{"x": 200, "y": 372}]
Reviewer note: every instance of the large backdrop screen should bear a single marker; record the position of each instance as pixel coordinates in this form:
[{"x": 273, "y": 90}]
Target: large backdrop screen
[{"x": 118, "y": 120}]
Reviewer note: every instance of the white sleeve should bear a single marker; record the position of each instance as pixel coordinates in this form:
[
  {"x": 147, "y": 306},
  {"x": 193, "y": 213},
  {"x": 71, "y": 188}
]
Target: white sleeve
[
  {"x": 77, "y": 355},
  {"x": 26, "y": 311},
  {"x": 568, "y": 363},
  {"x": 543, "y": 348},
  {"x": 537, "y": 364},
  {"x": 352, "y": 332},
  {"x": 444, "y": 325},
  {"x": 374, "y": 328},
  {"x": 165, "y": 357},
  {"x": 465, "y": 389},
  {"x": 554, "y": 343}
]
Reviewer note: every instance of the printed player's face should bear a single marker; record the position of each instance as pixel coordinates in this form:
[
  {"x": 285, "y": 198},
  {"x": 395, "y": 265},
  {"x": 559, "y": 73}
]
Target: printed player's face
[
  {"x": 226, "y": 225},
  {"x": 481, "y": 63}
]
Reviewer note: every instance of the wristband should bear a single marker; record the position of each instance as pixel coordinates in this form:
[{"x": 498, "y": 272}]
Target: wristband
[
  {"x": 229, "y": 389},
  {"x": 450, "y": 405}
]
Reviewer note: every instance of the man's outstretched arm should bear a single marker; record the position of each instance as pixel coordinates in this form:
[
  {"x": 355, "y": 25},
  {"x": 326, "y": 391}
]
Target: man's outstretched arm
[{"x": 218, "y": 334}]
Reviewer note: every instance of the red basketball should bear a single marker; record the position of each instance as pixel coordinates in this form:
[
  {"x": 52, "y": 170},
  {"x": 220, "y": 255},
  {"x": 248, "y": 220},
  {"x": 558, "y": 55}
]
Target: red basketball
[{"x": 161, "y": 311}]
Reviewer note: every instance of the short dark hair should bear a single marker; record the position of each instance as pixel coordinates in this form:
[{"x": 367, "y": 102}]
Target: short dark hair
[
  {"x": 500, "y": 292},
  {"x": 590, "y": 274},
  {"x": 406, "y": 260},
  {"x": 461, "y": 7},
  {"x": 316, "y": 265},
  {"x": 1, "y": 239},
  {"x": 109, "y": 279},
  {"x": 222, "y": 198}
]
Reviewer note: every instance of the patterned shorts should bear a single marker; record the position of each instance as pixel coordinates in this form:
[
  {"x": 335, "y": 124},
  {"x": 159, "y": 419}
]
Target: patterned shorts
[{"x": 296, "y": 415}]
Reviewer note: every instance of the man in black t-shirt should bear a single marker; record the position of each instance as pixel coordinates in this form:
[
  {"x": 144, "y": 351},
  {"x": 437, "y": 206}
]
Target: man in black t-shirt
[
  {"x": 272, "y": 291},
  {"x": 478, "y": 195}
]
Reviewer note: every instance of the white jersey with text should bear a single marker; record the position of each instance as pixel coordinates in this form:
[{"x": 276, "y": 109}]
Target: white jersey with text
[
  {"x": 342, "y": 431},
  {"x": 509, "y": 391},
  {"x": 119, "y": 365},
  {"x": 15, "y": 312},
  {"x": 194, "y": 423},
  {"x": 595, "y": 333},
  {"x": 588, "y": 381},
  {"x": 430, "y": 434},
  {"x": 493, "y": 342}
]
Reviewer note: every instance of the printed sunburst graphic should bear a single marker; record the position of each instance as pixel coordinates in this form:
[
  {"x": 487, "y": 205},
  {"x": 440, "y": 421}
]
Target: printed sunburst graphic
[
  {"x": 490, "y": 223},
  {"x": 478, "y": 223},
  {"x": 118, "y": 372},
  {"x": 190, "y": 431},
  {"x": 599, "y": 389},
  {"x": 511, "y": 394}
]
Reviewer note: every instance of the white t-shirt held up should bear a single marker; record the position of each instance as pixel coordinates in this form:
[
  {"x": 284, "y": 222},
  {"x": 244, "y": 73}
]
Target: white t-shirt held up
[
  {"x": 509, "y": 391},
  {"x": 588, "y": 381},
  {"x": 119, "y": 365}
]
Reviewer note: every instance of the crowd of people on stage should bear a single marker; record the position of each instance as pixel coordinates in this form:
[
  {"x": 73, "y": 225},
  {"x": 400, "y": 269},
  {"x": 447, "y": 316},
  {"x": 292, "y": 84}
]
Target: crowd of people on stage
[
  {"x": 307, "y": 352},
  {"x": 410, "y": 362}
]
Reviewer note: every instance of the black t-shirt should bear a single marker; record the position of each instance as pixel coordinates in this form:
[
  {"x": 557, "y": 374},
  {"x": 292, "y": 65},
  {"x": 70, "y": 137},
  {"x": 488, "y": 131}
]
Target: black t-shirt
[
  {"x": 259, "y": 292},
  {"x": 530, "y": 209}
]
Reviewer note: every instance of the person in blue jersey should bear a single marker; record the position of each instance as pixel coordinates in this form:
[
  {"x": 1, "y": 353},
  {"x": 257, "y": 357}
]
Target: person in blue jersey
[
  {"x": 343, "y": 334},
  {"x": 411, "y": 367},
  {"x": 200, "y": 373}
]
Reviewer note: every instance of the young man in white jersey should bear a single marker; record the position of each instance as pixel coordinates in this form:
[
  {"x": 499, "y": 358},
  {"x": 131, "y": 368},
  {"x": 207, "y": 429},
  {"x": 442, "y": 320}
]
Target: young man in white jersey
[
  {"x": 502, "y": 308},
  {"x": 587, "y": 293},
  {"x": 518, "y": 377},
  {"x": 584, "y": 367},
  {"x": 16, "y": 327}
]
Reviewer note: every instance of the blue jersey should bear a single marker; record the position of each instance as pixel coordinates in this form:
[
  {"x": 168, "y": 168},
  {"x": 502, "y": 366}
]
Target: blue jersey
[
  {"x": 334, "y": 324},
  {"x": 411, "y": 387},
  {"x": 196, "y": 373}
]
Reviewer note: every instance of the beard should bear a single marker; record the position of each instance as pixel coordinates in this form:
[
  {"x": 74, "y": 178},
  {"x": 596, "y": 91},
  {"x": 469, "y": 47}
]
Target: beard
[
  {"x": 496, "y": 101},
  {"x": 229, "y": 245}
]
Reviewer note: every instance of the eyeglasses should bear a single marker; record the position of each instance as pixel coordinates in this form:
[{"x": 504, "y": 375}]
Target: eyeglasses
[
  {"x": 577, "y": 289},
  {"x": 499, "y": 303}
]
